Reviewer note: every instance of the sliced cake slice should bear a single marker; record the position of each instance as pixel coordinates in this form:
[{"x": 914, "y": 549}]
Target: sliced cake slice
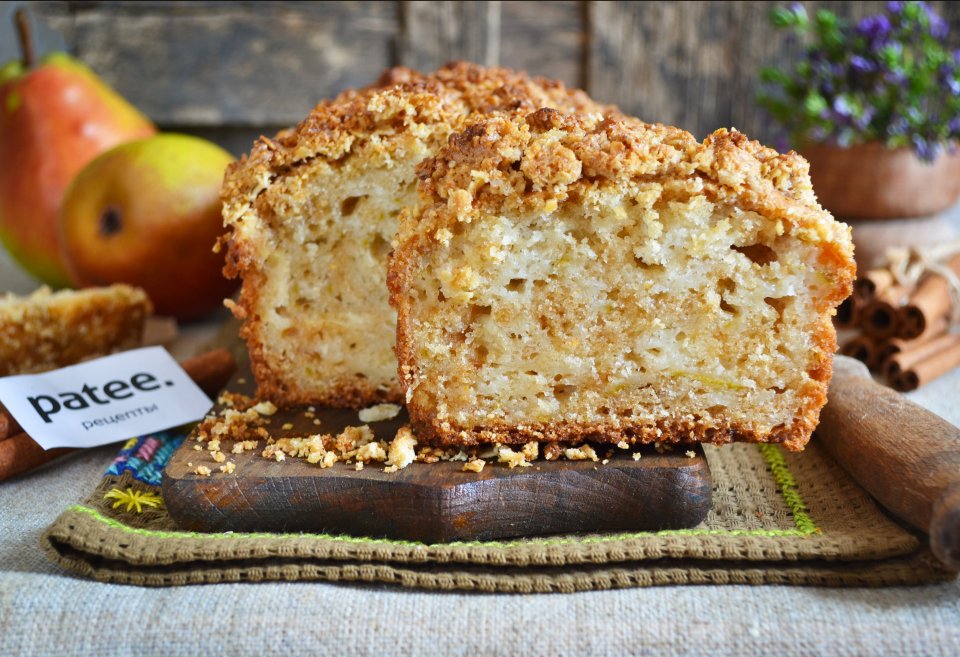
[
  {"x": 312, "y": 214},
  {"x": 571, "y": 278},
  {"x": 47, "y": 330}
]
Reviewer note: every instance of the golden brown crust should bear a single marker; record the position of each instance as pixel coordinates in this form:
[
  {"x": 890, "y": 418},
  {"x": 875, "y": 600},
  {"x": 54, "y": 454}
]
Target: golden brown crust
[
  {"x": 455, "y": 91},
  {"x": 401, "y": 101},
  {"x": 594, "y": 150},
  {"x": 515, "y": 166},
  {"x": 430, "y": 431},
  {"x": 329, "y": 131}
]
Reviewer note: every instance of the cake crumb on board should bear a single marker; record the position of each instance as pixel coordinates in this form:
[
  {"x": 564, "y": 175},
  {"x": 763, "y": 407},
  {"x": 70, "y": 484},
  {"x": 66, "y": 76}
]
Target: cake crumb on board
[
  {"x": 474, "y": 465},
  {"x": 379, "y": 413}
]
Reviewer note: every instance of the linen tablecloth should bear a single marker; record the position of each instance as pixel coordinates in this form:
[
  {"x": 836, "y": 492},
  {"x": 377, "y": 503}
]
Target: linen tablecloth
[{"x": 46, "y": 612}]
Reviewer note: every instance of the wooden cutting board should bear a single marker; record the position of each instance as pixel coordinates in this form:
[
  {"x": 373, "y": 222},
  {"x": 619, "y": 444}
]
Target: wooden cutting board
[{"x": 435, "y": 502}]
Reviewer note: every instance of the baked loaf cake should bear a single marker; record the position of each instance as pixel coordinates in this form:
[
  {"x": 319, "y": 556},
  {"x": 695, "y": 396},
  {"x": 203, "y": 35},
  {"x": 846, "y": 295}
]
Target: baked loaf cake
[
  {"x": 47, "y": 330},
  {"x": 313, "y": 213},
  {"x": 578, "y": 278}
]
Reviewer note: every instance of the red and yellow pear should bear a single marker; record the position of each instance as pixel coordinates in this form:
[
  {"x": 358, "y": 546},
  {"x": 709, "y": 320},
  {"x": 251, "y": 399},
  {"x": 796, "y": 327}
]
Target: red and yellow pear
[
  {"x": 147, "y": 213},
  {"x": 55, "y": 117}
]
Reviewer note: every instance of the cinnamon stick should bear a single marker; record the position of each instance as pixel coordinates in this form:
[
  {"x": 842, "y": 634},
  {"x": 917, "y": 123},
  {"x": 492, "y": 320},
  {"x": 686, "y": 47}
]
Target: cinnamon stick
[
  {"x": 18, "y": 453},
  {"x": 930, "y": 328},
  {"x": 905, "y": 360},
  {"x": 864, "y": 348},
  {"x": 211, "y": 371},
  {"x": 890, "y": 348},
  {"x": 893, "y": 346},
  {"x": 848, "y": 313},
  {"x": 929, "y": 304},
  {"x": 872, "y": 283},
  {"x": 8, "y": 426},
  {"x": 929, "y": 368},
  {"x": 880, "y": 316},
  {"x": 21, "y": 453}
]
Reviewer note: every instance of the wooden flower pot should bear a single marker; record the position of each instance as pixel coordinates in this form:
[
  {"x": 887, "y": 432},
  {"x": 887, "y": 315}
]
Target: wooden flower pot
[{"x": 872, "y": 181}]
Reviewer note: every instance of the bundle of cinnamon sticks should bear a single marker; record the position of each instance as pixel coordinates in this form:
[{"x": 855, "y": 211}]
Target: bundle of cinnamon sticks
[
  {"x": 906, "y": 332},
  {"x": 19, "y": 452}
]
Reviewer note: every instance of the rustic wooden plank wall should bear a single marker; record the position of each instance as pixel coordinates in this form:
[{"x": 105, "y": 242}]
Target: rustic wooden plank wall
[
  {"x": 695, "y": 64},
  {"x": 231, "y": 70}
]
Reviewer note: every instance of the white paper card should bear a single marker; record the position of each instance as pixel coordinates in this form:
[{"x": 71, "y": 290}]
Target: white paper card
[{"x": 104, "y": 400}]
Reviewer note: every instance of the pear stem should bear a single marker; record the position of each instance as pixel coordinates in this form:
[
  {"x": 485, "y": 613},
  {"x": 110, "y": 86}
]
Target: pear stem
[{"x": 26, "y": 37}]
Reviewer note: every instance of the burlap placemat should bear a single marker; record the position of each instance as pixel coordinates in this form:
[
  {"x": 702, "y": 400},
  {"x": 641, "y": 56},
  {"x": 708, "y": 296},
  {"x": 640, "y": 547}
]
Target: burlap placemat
[{"x": 777, "y": 518}]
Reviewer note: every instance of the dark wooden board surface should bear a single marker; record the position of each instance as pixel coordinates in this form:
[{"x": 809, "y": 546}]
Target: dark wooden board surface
[{"x": 435, "y": 502}]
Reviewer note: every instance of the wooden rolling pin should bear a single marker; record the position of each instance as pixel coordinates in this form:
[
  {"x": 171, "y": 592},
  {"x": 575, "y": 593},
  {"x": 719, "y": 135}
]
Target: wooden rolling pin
[
  {"x": 905, "y": 456},
  {"x": 19, "y": 452}
]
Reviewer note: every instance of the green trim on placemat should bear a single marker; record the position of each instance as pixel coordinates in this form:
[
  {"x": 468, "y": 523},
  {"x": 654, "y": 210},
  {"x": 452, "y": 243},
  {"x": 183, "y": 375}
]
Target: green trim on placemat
[
  {"x": 777, "y": 518},
  {"x": 116, "y": 524},
  {"x": 786, "y": 485}
]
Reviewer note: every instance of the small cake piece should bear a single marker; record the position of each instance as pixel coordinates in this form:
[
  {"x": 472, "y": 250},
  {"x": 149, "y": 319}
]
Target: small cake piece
[
  {"x": 401, "y": 452},
  {"x": 312, "y": 215},
  {"x": 47, "y": 330},
  {"x": 571, "y": 278},
  {"x": 474, "y": 465},
  {"x": 379, "y": 413}
]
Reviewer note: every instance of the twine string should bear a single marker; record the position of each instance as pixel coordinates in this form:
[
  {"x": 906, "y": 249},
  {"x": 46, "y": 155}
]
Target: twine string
[{"x": 909, "y": 265}]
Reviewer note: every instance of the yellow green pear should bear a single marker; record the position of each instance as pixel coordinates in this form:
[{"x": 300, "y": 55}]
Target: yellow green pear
[{"x": 147, "y": 213}]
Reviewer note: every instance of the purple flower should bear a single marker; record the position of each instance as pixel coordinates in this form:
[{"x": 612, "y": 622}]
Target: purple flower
[
  {"x": 938, "y": 27},
  {"x": 864, "y": 120},
  {"x": 898, "y": 126},
  {"x": 925, "y": 150},
  {"x": 861, "y": 64},
  {"x": 842, "y": 107},
  {"x": 890, "y": 76},
  {"x": 846, "y": 137},
  {"x": 948, "y": 75},
  {"x": 895, "y": 77},
  {"x": 874, "y": 28}
]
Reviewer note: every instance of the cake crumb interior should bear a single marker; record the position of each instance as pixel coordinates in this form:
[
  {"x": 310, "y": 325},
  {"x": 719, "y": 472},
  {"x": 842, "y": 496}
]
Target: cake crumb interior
[{"x": 623, "y": 311}]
